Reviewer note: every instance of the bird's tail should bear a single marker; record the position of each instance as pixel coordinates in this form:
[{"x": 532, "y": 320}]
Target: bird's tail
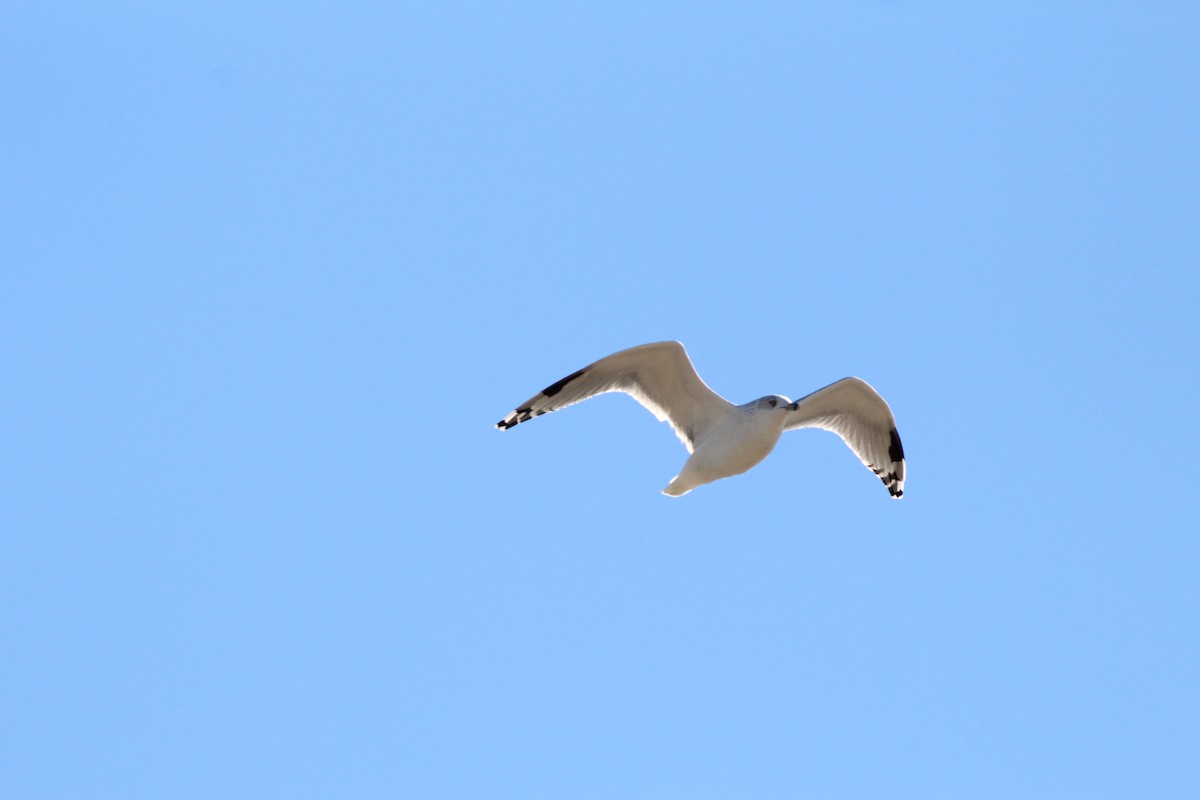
[{"x": 678, "y": 488}]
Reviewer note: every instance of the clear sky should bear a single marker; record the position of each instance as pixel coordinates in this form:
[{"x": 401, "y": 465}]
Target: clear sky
[{"x": 271, "y": 272}]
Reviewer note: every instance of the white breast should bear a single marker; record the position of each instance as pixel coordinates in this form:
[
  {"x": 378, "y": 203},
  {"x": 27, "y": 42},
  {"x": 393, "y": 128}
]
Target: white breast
[{"x": 743, "y": 441}]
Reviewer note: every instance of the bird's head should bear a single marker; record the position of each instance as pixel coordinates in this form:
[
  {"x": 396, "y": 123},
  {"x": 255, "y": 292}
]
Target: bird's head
[{"x": 772, "y": 402}]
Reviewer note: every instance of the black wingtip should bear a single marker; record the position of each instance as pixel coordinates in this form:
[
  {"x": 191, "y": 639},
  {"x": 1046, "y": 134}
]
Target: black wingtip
[
  {"x": 557, "y": 386},
  {"x": 515, "y": 418},
  {"x": 895, "y": 449}
]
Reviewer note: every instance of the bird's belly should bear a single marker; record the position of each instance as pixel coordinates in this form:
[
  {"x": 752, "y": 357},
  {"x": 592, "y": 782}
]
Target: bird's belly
[{"x": 733, "y": 453}]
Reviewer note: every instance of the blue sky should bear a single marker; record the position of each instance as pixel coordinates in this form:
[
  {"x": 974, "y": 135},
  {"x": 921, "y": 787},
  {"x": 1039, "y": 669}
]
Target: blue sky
[{"x": 272, "y": 272}]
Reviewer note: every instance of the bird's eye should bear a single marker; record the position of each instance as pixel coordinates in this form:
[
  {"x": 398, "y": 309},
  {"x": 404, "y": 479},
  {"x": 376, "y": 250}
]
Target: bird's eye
[{"x": 771, "y": 403}]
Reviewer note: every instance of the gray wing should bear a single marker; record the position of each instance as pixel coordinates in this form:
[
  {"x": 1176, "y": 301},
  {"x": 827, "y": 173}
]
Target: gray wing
[
  {"x": 854, "y": 411},
  {"x": 660, "y": 376}
]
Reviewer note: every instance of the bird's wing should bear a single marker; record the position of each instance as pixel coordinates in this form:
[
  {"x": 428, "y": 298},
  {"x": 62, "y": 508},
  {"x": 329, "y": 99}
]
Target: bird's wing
[
  {"x": 660, "y": 376},
  {"x": 854, "y": 411}
]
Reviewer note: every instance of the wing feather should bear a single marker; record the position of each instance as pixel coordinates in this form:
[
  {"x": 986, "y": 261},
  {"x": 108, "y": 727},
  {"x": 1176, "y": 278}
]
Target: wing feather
[
  {"x": 857, "y": 413},
  {"x": 660, "y": 376}
]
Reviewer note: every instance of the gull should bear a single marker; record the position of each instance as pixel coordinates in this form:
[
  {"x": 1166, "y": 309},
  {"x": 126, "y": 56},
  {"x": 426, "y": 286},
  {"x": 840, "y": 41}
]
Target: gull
[{"x": 725, "y": 439}]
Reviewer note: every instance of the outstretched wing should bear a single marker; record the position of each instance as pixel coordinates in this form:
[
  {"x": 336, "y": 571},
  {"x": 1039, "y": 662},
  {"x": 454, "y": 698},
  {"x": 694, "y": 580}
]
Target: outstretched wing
[
  {"x": 660, "y": 376},
  {"x": 854, "y": 411}
]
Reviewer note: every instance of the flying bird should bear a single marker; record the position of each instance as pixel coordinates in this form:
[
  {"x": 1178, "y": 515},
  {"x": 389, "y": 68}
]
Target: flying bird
[{"x": 725, "y": 439}]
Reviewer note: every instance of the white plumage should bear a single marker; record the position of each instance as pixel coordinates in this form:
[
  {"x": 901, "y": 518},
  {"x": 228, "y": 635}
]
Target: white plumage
[{"x": 725, "y": 439}]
